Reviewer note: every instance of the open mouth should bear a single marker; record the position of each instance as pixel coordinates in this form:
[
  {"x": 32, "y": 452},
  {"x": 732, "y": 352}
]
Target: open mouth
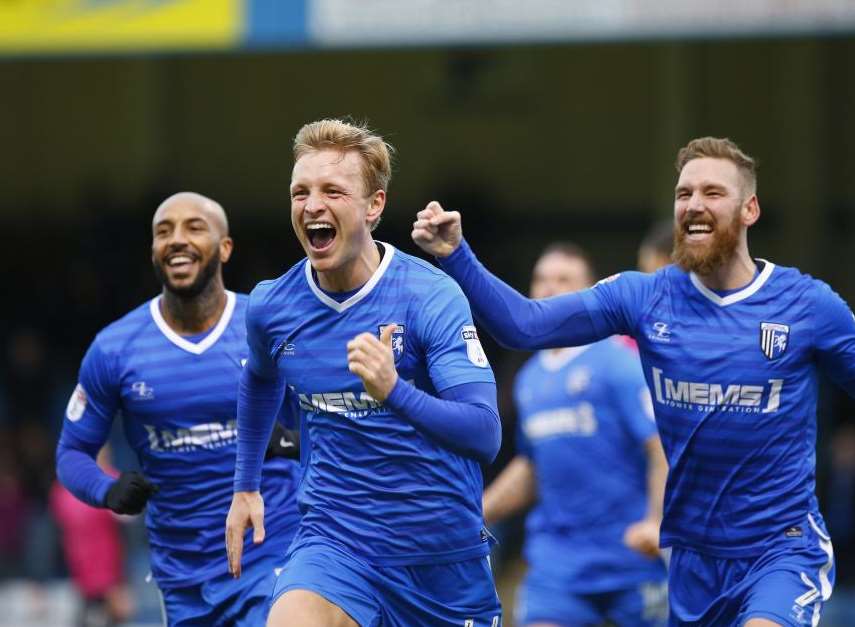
[
  {"x": 180, "y": 261},
  {"x": 321, "y": 235},
  {"x": 698, "y": 230}
]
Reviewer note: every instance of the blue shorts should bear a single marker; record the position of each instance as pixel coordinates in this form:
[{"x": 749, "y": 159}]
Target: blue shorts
[
  {"x": 788, "y": 584},
  {"x": 544, "y": 601},
  {"x": 223, "y": 600},
  {"x": 458, "y": 594}
]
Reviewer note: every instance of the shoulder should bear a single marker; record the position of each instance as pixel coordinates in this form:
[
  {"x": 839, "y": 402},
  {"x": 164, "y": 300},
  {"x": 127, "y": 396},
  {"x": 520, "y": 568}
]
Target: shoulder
[
  {"x": 272, "y": 290},
  {"x": 415, "y": 266},
  {"x": 422, "y": 278},
  {"x": 114, "y": 337},
  {"x": 797, "y": 285}
]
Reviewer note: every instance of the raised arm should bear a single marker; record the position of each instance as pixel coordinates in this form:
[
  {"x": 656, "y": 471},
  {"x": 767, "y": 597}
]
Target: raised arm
[{"x": 514, "y": 320}]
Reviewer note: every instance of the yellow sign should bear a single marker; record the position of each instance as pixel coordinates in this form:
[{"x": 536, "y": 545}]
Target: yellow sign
[{"x": 118, "y": 25}]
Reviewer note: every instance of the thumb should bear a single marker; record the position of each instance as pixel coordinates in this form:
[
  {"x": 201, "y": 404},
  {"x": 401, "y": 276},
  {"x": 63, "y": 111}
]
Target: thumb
[
  {"x": 257, "y": 518},
  {"x": 386, "y": 335}
]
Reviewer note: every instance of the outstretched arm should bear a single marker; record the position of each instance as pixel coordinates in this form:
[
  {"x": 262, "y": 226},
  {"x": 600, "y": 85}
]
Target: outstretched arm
[{"x": 514, "y": 320}]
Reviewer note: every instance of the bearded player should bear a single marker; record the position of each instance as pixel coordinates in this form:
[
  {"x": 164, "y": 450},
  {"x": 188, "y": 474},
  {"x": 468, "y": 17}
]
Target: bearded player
[
  {"x": 730, "y": 346},
  {"x": 170, "y": 368}
]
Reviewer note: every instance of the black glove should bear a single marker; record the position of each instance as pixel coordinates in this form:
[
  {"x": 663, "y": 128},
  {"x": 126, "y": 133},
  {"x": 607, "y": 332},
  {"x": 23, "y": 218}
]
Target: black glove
[
  {"x": 283, "y": 443},
  {"x": 129, "y": 493}
]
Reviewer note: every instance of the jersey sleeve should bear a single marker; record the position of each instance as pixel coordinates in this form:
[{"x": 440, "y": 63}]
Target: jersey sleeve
[
  {"x": 86, "y": 427},
  {"x": 95, "y": 400},
  {"x": 614, "y": 303},
  {"x": 452, "y": 349},
  {"x": 631, "y": 396},
  {"x": 261, "y": 359},
  {"x": 566, "y": 320},
  {"x": 835, "y": 338}
]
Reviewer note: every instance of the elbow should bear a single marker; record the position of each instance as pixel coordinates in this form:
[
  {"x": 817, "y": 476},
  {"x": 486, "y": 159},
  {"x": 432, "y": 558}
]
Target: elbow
[{"x": 492, "y": 442}]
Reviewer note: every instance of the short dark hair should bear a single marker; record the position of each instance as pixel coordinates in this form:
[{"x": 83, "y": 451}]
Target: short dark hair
[
  {"x": 660, "y": 237},
  {"x": 574, "y": 251}
]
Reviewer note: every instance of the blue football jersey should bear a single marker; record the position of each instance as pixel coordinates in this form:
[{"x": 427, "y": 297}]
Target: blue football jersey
[
  {"x": 373, "y": 483},
  {"x": 733, "y": 380},
  {"x": 584, "y": 418},
  {"x": 178, "y": 402}
]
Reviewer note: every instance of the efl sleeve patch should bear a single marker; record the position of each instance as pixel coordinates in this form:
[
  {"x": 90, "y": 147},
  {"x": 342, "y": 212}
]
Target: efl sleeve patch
[
  {"x": 76, "y": 404},
  {"x": 474, "y": 350}
]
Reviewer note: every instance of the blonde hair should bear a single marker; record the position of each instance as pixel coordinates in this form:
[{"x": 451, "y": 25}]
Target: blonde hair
[
  {"x": 720, "y": 148},
  {"x": 344, "y": 136}
]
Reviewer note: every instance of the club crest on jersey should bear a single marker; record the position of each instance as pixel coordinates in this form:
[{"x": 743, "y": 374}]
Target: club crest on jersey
[
  {"x": 474, "y": 350},
  {"x": 397, "y": 340},
  {"x": 774, "y": 338}
]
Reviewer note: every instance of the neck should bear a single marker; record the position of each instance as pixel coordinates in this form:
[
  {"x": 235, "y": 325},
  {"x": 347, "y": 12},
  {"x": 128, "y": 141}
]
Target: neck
[
  {"x": 196, "y": 314},
  {"x": 354, "y": 273},
  {"x": 737, "y": 272}
]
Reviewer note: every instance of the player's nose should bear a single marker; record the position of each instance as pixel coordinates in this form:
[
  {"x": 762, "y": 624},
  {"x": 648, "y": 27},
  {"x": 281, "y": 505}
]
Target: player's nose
[{"x": 314, "y": 204}]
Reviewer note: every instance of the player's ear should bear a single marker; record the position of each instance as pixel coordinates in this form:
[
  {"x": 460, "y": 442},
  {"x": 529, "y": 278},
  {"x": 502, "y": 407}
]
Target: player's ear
[
  {"x": 376, "y": 205},
  {"x": 226, "y": 247},
  {"x": 751, "y": 210}
]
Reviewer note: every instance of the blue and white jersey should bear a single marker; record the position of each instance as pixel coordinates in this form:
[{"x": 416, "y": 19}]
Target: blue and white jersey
[
  {"x": 373, "y": 483},
  {"x": 733, "y": 381},
  {"x": 584, "y": 419},
  {"x": 178, "y": 400}
]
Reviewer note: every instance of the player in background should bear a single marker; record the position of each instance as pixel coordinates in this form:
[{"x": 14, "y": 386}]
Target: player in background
[
  {"x": 398, "y": 408},
  {"x": 655, "y": 249},
  {"x": 171, "y": 368},
  {"x": 730, "y": 346},
  {"x": 591, "y": 463}
]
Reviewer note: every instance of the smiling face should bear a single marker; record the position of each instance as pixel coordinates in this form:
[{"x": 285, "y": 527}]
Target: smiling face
[
  {"x": 189, "y": 243},
  {"x": 713, "y": 208},
  {"x": 331, "y": 211}
]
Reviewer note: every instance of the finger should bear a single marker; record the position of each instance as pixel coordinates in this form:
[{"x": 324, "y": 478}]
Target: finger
[
  {"x": 446, "y": 217},
  {"x": 386, "y": 335},
  {"x": 359, "y": 355},
  {"x": 434, "y": 208},
  {"x": 257, "y": 516},
  {"x": 424, "y": 214},
  {"x": 424, "y": 224},
  {"x": 234, "y": 546},
  {"x": 359, "y": 370},
  {"x": 422, "y": 235}
]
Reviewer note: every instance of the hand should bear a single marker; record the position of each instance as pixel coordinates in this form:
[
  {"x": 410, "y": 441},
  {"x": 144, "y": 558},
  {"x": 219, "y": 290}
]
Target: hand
[
  {"x": 643, "y": 536},
  {"x": 283, "y": 443},
  {"x": 247, "y": 510},
  {"x": 129, "y": 493},
  {"x": 372, "y": 361},
  {"x": 436, "y": 231}
]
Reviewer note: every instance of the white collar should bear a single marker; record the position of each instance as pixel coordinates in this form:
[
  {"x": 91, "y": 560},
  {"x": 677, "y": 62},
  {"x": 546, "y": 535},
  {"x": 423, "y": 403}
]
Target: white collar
[
  {"x": 208, "y": 341},
  {"x": 364, "y": 291},
  {"x": 553, "y": 361},
  {"x": 745, "y": 292}
]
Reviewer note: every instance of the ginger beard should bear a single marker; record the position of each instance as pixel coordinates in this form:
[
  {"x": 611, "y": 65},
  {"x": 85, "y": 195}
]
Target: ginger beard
[{"x": 703, "y": 258}]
